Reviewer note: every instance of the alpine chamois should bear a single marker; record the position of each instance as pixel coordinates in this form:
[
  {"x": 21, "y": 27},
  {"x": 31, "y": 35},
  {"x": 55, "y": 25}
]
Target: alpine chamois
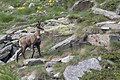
[{"x": 33, "y": 40}]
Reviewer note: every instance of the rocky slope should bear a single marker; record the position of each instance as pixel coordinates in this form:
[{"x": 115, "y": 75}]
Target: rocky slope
[{"x": 78, "y": 43}]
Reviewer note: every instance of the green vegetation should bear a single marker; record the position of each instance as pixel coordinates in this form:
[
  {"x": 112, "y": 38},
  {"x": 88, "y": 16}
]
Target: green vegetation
[
  {"x": 86, "y": 20},
  {"x": 111, "y": 68},
  {"x": 38, "y": 70},
  {"x": 104, "y": 74},
  {"x": 79, "y": 54},
  {"x": 21, "y": 13},
  {"x": 115, "y": 45},
  {"x": 7, "y": 73},
  {"x": 109, "y": 4},
  {"x": 5, "y": 18}
]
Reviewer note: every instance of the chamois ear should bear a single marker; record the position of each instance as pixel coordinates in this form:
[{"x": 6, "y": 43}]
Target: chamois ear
[
  {"x": 39, "y": 22},
  {"x": 38, "y": 25}
]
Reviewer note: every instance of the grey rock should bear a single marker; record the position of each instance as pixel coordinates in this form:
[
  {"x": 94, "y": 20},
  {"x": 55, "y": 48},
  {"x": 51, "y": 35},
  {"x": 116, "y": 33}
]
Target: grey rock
[
  {"x": 16, "y": 28},
  {"x": 104, "y": 23},
  {"x": 15, "y": 42},
  {"x": 14, "y": 56},
  {"x": 110, "y": 62},
  {"x": 2, "y": 38},
  {"x": 32, "y": 76},
  {"x": 2, "y": 63},
  {"x": 50, "y": 70},
  {"x": 67, "y": 59},
  {"x": 73, "y": 72},
  {"x": 19, "y": 31},
  {"x": 56, "y": 60},
  {"x": 11, "y": 7},
  {"x": 49, "y": 67},
  {"x": 99, "y": 39},
  {"x": 109, "y": 14},
  {"x": 118, "y": 10},
  {"x": 53, "y": 22},
  {"x": 64, "y": 42},
  {"x": 10, "y": 31},
  {"x": 63, "y": 60},
  {"x": 111, "y": 26},
  {"x": 7, "y": 48},
  {"x": 33, "y": 61},
  {"x": 99, "y": 58},
  {"x": 56, "y": 76},
  {"x": 31, "y": 5},
  {"x": 15, "y": 36},
  {"x": 81, "y": 5},
  {"x": 7, "y": 52},
  {"x": 102, "y": 39}
]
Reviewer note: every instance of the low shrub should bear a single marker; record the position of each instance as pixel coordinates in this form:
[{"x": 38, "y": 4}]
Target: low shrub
[
  {"x": 7, "y": 73},
  {"x": 110, "y": 5},
  {"x": 5, "y": 18},
  {"x": 114, "y": 45}
]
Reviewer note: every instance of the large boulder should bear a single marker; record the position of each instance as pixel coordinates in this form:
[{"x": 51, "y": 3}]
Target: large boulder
[
  {"x": 7, "y": 52},
  {"x": 109, "y": 14},
  {"x": 2, "y": 38},
  {"x": 82, "y": 4},
  {"x": 63, "y": 43},
  {"x": 99, "y": 39},
  {"x": 105, "y": 23},
  {"x": 73, "y": 72},
  {"x": 111, "y": 26}
]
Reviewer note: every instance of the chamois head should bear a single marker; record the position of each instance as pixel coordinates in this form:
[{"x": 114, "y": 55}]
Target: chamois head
[{"x": 38, "y": 25}]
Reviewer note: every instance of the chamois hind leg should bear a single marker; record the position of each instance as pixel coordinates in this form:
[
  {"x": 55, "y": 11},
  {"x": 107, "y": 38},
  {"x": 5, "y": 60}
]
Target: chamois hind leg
[
  {"x": 38, "y": 48},
  {"x": 33, "y": 51},
  {"x": 23, "y": 52},
  {"x": 18, "y": 53}
]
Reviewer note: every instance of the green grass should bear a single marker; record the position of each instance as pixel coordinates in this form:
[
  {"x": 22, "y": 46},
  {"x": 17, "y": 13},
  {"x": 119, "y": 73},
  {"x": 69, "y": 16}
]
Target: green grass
[
  {"x": 79, "y": 54},
  {"x": 109, "y": 71},
  {"x": 5, "y": 18},
  {"x": 26, "y": 11},
  {"x": 110, "y": 5},
  {"x": 104, "y": 74},
  {"x": 7, "y": 73},
  {"x": 100, "y": 1},
  {"x": 15, "y": 3},
  {"x": 88, "y": 18},
  {"x": 38, "y": 70},
  {"x": 114, "y": 45}
]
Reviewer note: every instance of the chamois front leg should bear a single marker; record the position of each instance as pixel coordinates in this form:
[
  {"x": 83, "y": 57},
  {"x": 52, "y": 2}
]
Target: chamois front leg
[
  {"x": 38, "y": 48},
  {"x": 33, "y": 51}
]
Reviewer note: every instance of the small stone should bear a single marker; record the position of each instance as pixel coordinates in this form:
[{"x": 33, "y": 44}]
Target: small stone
[
  {"x": 11, "y": 7},
  {"x": 57, "y": 75},
  {"x": 30, "y": 5},
  {"x": 31, "y": 62},
  {"x": 99, "y": 58},
  {"x": 67, "y": 59}
]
